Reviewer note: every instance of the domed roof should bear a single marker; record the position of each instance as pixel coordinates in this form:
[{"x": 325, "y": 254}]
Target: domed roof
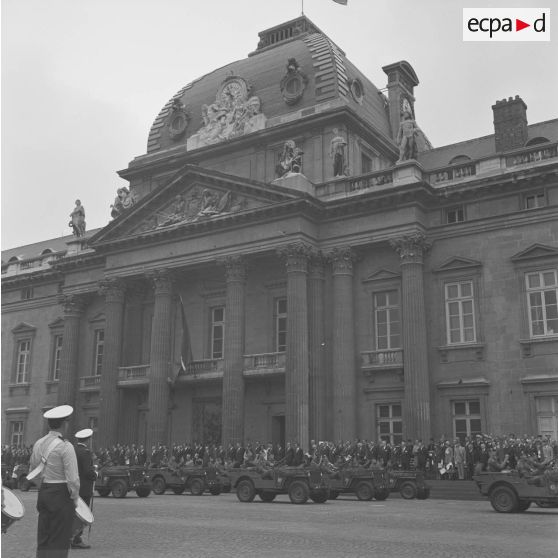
[{"x": 295, "y": 71}]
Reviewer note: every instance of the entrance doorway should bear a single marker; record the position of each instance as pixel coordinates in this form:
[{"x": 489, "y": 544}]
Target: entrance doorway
[{"x": 278, "y": 430}]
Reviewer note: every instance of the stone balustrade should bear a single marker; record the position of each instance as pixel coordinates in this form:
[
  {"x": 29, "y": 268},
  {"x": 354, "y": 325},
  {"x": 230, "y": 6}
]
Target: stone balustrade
[
  {"x": 532, "y": 155},
  {"x": 205, "y": 366},
  {"x": 268, "y": 361},
  {"x": 355, "y": 183},
  {"x": 128, "y": 375},
  {"x": 90, "y": 383},
  {"x": 387, "y": 358}
]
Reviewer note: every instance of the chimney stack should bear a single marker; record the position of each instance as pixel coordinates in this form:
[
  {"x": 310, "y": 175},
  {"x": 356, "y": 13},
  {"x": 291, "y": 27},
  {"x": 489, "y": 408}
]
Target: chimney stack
[{"x": 510, "y": 123}]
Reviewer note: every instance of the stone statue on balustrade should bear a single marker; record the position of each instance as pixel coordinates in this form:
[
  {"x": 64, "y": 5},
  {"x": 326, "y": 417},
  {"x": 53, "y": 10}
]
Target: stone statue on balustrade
[
  {"x": 77, "y": 220},
  {"x": 290, "y": 160},
  {"x": 407, "y": 137},
  {"x": 337, "y": 152},
  {"x": 122, "y": 202}
]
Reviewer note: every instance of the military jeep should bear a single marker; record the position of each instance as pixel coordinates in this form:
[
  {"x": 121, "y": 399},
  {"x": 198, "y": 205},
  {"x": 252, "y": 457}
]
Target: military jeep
[
  {"x": 410, "y": 484},
  {"x": 196, "y": 479},
  {"x": 299, "y": 483},
  {"x": 510, "y": 492},
  {"x": 120, "y": 479},
  {"x": 364, "y": 483}
]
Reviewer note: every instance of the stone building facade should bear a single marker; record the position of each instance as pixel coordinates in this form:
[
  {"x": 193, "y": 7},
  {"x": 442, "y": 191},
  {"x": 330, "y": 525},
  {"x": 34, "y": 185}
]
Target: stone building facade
[{"x": 279, "y": 269}]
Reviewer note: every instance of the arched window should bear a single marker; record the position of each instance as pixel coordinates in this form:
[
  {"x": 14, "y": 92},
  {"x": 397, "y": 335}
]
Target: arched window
[
  {"x": 536, "y": 141},
  {"x": 460, "y": 159}
]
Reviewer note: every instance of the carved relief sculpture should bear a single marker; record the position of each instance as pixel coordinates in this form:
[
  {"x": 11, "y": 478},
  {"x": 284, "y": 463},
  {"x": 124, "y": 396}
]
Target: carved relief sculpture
[
  {"x": 293, "y": 83},
  {"x": 77, "y": 220},
  {"x": 122, "y": 202},
  {"x": 290, "y": 160},
  {"x": 337, "y": 153},
  {"x": 233, "y": 114}
]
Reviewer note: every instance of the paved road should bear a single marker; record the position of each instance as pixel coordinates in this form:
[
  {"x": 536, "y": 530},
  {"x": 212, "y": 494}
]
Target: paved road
[{"x": 186, "y": 526}]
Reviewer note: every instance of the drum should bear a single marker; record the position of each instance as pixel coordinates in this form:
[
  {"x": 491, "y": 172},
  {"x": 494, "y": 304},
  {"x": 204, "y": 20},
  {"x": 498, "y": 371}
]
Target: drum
[
  {"x": 83, "y": 513},
  {"x": 12, "y": 508}
]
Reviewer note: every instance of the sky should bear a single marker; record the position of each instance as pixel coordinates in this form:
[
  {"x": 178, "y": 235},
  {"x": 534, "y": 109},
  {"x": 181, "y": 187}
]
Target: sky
[{"x": 83, "y": 80}]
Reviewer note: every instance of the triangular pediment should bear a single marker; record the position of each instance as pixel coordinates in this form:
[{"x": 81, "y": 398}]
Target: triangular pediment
[
  {"x": 456, "y": 262},
  {"x": 23, "y": 327},
  {"x": 382, "y": 275},
  {"x": 193, "y": 196},
  {"x": 58, "y": 323},
  {"x": 535, "y": 251}
]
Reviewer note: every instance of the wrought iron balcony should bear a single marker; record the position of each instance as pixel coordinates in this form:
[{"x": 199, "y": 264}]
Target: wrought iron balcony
[
  {"x": 133, "y": 375},
  {"x": 90, "y": 383}
]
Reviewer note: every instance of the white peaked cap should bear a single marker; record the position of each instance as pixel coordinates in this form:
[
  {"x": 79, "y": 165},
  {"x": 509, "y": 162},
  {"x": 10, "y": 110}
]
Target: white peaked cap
[
  {"x": 85, "y": 433},
  {"x": 60, "y": 412}
]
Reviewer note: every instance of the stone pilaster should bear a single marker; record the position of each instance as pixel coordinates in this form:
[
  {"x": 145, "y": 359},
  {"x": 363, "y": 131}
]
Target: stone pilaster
[
  {"x": 136, "y": 293},
  {"x": 158, "y": 399},
  {"x": 113, "y": 291},
  {"x": 318, "y": 379},
  {"x": 344, "y": 366},
  {"x": 416, "y": 406},
  {"x": 233, "y": 381},
  {"x": 73, "y": 306},
  {"x": 297, "y": 368}
]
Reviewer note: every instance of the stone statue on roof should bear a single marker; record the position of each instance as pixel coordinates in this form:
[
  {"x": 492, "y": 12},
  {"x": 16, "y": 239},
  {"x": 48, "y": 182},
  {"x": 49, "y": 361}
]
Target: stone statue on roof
[
  {"x": 122, "y": 202},
  {"x": 77, "y": 220},
  {"x": 407, "y": 137},
  {"x": 337, "y": 153},
  {"x": 290, "y": 160}
]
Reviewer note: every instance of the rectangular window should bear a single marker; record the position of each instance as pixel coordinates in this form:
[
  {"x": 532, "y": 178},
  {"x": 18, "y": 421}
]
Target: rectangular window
[
  {"x": 99, "y": 351},
  {"x": 542, "y": 297},
  {"x": 57, "y": 353},
  {"x": 455, "y": 215},
  {"x": 466, "y": 418},
  {"x": 23, "y": 360},
  {"x": 16, "y": 433},
  {"x": 547, "y": 415},
  {"x": 460, "y": 313},
  {"x": 366, "y": 163},
  {"x": 532, "y": 201},
  {"x": 280, "y": 325},
  {"x": 387, "y": 320},
  {"x": 390, "y": 422},
  {"x": 27, "y": 293},
  {"x": 217, "y": 332}
]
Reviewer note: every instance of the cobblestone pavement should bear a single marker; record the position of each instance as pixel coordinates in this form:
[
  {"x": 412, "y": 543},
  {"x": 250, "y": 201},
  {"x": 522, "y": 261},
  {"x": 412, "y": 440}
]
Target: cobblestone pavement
[{"x": 186, "y": 526}]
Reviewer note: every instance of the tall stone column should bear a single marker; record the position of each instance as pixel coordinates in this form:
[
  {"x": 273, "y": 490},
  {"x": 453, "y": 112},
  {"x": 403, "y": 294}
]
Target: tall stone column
[
  {"x": 136, "y": 293},
  {"x": 113, "y": 290},
  {"x": 297, "y": 372},
  {"x": 73, "y": 306},
  {"x": 344, "y": 367},
  {"x": 233, "y": 381},
  {"x": 318, "y": 384},
  {"x": 416, "y": 407},
  {"x": 158, "y": 399}
]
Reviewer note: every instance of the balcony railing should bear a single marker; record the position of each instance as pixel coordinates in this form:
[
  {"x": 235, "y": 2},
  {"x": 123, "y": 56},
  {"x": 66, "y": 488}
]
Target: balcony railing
[
  {"x": 205, "y": 368},
  {"x": 388, "y": 358},
  {"x": 354, "y": 184},
  {"x": 264, "y": 362},
  {"x": 133, "y": 375},
  {"x": 532, "y": 155},
  {"x": 455, "y": 172},
  {"x": 90, "y": 383}
]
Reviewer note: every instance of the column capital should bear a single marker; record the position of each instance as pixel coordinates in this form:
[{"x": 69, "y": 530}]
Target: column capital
[
  {"x": 342, "y": 259},
  {"x": 235, "y": 268},
  {"x": 411, "y": 247},
  {"x": 317, "y": 264},
  {"x": 136, "y": 291},
  {"x": 112, "y": 289},
  {"x": 73, "y": 304},
  {"x": 296, "y": 256},
  {"x": 161, "y": 279}
]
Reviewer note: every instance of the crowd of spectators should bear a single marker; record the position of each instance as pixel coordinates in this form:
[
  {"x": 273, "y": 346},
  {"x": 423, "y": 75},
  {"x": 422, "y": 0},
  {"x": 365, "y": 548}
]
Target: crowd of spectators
[{"x": 439, "y": 459}]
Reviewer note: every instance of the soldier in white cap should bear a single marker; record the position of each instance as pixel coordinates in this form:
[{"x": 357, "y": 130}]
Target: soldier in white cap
[
  {"x": 54, "y": 460},
  {"x": 87, "y": 476}
]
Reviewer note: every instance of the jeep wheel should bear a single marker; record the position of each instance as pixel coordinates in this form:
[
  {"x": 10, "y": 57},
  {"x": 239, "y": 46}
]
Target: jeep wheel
[
  {"x": 504, "y": 499},
  {"x": 408, "y": 490},
  {"x": 143, "y": 491},
  {"x": 245, "y": 491},
  {"x": 298, "y": 492},
  {"x": 319, "y": 496},
  {"x": 364, "y": 491},
  {"x": 103, "y": 492},
  {"x": 23, "y": 484},
  {"x": 333, "y": 494},
  {"x": 381, "y": 494},
  {"x": 178, "y": 490},
  {"x": 215, "y": 490},
  {"x": 197, "y": 487},
  {"x": 267, "y": 496},
  {"x": 159, "y": 485},
  {"x": 118, "y": 489},
  {"x": 523, "y": 505}
]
